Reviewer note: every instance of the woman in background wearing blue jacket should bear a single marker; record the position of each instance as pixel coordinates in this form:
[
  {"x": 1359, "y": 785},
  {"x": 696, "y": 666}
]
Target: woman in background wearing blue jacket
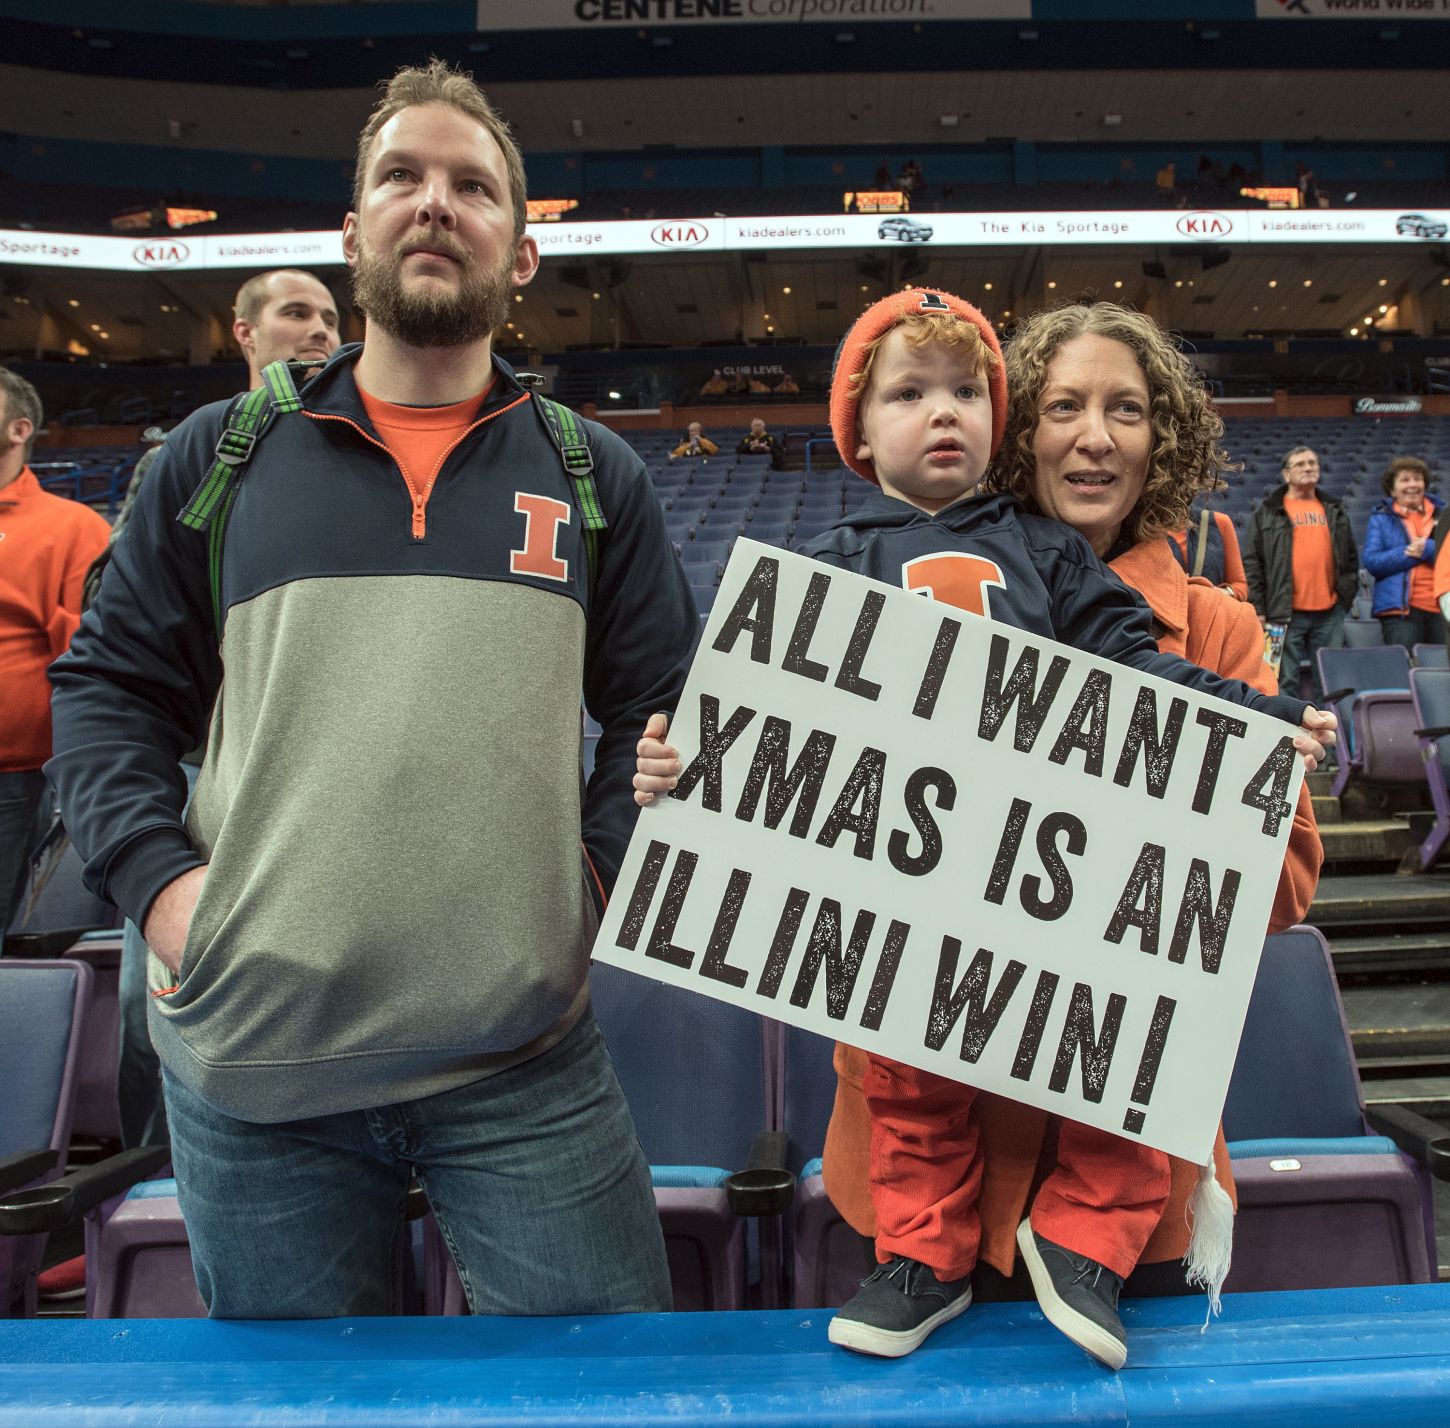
[{"x": 1399, "y": 551}]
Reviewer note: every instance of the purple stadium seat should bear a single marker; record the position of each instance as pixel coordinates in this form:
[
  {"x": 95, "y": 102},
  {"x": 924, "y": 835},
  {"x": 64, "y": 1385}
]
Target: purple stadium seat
[
  {"x": 139, "y": 1260},
  {"x": 43, "y": 1008},
  {"x": 1430, "y": 690},
  {"x": 1371, "y": 689},
  {"x": 1323, "y": 1203},
  {"x": 1364, "y": 634}
]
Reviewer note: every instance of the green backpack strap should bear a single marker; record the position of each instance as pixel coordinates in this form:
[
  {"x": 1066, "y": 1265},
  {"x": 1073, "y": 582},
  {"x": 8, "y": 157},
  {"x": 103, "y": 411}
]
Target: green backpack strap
[
  {"x": 243, "y": 426},
  {"x": 572, "y": 445}
]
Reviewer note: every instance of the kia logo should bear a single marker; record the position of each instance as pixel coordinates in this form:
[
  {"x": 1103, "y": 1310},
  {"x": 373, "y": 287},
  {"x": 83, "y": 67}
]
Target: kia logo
[
  {"x": 160, "y": 255},
  {"x": 1205, "y": 225},
  {"x": 679, "y": 235}
]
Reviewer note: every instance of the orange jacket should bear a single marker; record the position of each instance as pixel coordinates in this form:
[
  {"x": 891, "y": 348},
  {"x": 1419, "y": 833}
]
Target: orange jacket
[
  {"x": 1209, "y": 627},
  {"x": 46, "y": 544}
]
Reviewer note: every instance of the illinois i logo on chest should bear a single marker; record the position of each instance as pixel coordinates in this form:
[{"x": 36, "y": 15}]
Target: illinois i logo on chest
[
  {"x": 545, "y": 517},
  {"x": 955, "y": 578}
]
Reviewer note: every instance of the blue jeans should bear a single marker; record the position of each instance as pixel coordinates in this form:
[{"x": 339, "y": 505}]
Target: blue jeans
[
  {"x": 535, "y": 1176},
  {"x": 1309, "y": 632},
  {"x": 1418, "y": 627},
  {"x": 25, "y": 804},
  {"x": 138, "y": 1074}
]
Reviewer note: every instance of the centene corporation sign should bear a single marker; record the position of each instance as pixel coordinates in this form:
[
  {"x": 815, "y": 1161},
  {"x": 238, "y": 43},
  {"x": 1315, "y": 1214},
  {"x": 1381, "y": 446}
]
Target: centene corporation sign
[{"x": 852, "y": 231}]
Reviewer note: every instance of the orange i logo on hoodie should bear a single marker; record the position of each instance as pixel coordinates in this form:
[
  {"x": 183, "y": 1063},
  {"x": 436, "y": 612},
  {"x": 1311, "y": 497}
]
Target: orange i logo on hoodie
[{"x": 954, "y": 578}]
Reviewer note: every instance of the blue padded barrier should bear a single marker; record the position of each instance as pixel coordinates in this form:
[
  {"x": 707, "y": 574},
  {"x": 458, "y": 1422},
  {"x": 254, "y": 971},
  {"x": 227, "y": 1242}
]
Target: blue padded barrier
[
  {"x": 1333, "y": 1358},
  {"x": 1292, "y": 1148}
]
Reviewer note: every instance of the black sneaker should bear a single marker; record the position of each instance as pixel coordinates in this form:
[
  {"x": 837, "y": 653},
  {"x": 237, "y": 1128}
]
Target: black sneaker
[
  {"x": 897, "y": 1307},
  {"x": 1077, "y": 1294}
]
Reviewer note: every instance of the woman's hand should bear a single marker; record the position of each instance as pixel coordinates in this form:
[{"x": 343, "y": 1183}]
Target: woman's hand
[
  {"x": 1316, "y": 734},
  {"x": 657, "y": 765}
]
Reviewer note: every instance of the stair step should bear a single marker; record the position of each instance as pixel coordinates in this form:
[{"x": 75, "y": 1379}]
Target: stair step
[
  {"x": 1382, "y": 954},
  {"x": 1380, "y": 838},
  {"x": 1326, "y": 809},
  {"x": 1381, "y": 900},
  {"x": 1430, "y": 1095}
]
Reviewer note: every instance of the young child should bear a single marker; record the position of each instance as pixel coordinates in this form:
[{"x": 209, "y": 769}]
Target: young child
[{"x": 918, "y": 407}]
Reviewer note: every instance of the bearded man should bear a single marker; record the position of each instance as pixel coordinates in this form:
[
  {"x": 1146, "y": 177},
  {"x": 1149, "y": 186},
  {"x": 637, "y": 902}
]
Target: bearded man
[{"x": 369, "y": 937}]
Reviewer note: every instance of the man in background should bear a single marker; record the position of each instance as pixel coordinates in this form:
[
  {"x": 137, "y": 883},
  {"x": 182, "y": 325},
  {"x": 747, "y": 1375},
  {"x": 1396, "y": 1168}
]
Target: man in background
[
  {"x": 46, "y": 543},
  {"x": 1302, "y": 566}
]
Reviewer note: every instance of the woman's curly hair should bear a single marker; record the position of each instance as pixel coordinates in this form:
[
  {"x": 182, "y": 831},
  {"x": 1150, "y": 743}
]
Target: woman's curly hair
[{"x": 1186, "y": 459}]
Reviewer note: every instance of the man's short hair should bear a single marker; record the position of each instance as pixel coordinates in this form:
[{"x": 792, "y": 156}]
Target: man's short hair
[
  {"x": 1291, "y": 453},
  {"x": 20, "y": 399},
  {"x": 252, "y": 295},
  {"x": 437, "y": 83}
]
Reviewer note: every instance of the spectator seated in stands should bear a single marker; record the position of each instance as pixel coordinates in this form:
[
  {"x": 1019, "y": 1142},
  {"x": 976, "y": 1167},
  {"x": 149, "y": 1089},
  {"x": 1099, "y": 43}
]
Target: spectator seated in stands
[
  {"x": 756, "y": 387},
  {"x": 696, "y": 443},
  {"x": 787, "y": 386},
  {"x": 716, "y": 386},
  {"x": 757, "y": 442}
]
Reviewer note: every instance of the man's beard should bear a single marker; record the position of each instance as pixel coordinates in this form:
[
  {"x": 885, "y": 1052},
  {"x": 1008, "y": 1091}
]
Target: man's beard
[{"x": 431, "y": 318}]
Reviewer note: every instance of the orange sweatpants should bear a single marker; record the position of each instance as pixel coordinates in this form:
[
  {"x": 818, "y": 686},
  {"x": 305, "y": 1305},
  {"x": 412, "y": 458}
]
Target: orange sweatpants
[{"x": 1103, "y": 1198}]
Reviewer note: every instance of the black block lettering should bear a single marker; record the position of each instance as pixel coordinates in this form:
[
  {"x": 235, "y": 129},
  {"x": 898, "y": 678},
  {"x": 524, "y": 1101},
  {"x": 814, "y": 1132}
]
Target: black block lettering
[
  {"x": 1080, "y": 1037},
  {"x": 1020, "y": 689},
  {"x": 1087, "y": 724},
  {"x": 1143, "y": 740},
  {"x": 1141, "y": 904},
  {"x": 926, "y": 826}
]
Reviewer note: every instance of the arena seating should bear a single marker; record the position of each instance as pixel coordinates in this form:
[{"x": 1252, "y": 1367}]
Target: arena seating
[
  {"x": 1308, "y": 1171},
  {"x": 43, "y": 1006},
  {"x": 1430, "y": 690},
  {"x": 1370, "y": 688}
]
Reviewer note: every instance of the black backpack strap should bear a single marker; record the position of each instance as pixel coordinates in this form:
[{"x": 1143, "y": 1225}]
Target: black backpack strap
[
  {"x": 572, "y": 444},
  {"x": 245, "y": 423}
]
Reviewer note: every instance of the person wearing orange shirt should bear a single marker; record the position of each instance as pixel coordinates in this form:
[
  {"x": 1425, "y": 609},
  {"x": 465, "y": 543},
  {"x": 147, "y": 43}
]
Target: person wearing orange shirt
[
  {"x": 1209, "y": 547},
  {"x": 1302, "y": 566},
  {"x": 1400, "y": 552},
  {"x": 46, "y": 544}
]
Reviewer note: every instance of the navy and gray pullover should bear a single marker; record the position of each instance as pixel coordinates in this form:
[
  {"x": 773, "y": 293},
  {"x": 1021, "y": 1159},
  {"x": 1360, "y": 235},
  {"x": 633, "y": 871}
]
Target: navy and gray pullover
[{"x": 390, "y": 804}]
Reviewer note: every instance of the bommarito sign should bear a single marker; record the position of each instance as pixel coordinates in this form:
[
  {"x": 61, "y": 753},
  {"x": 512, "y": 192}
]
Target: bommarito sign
[{"x": 969, "y": 848}]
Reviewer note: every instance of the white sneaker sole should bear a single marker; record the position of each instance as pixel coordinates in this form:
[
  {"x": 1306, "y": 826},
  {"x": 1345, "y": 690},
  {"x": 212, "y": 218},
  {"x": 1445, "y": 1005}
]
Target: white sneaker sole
[
  {"x": 1078, "y": 1327},
  {"x": 892, "y": 1343}
]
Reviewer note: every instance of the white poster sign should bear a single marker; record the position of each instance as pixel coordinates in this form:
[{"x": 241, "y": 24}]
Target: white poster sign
[{"x": 969, "y": 848}]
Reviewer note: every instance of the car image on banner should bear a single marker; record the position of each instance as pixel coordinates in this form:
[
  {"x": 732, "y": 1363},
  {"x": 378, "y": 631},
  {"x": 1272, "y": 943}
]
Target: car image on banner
[
  {"x": 1416, "y": 225},
  {"x": 904, "y": 230}
]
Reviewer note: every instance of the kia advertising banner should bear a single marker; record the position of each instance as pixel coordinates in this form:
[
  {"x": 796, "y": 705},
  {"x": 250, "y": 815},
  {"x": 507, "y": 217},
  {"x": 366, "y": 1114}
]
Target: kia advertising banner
[{"x": 707, "y": 235}]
